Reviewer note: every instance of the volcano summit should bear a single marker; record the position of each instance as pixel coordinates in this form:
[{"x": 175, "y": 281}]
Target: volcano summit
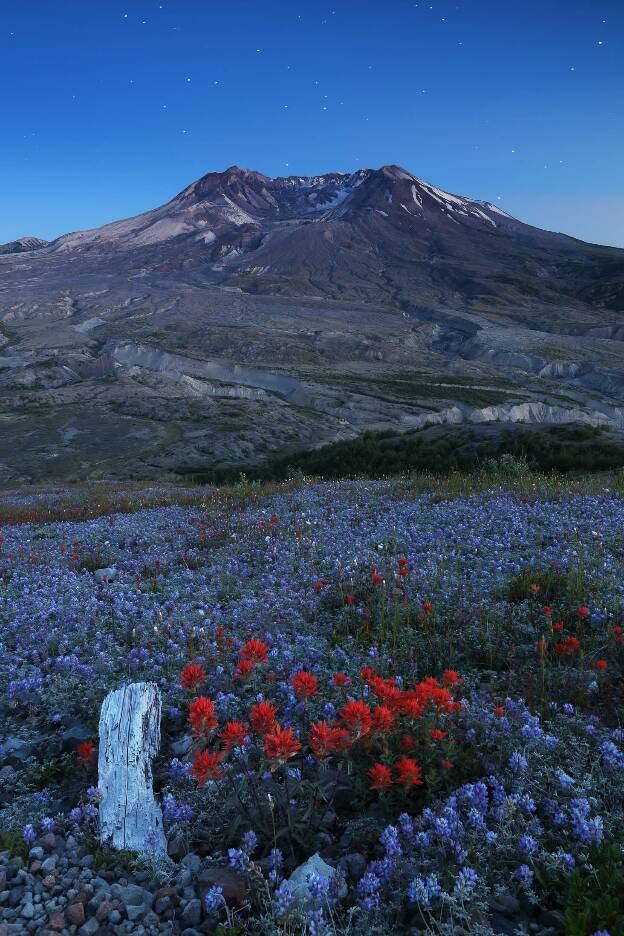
[{"x": 250, "y": 316}]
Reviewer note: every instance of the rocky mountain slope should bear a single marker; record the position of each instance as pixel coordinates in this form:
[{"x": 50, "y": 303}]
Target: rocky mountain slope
[
  {"x": 22, "y": 245},
  {"x": 250, "y": 315}
]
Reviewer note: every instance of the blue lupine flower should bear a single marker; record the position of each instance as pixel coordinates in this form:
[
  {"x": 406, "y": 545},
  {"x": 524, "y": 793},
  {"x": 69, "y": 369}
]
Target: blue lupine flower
[
  {"x": 465, "y": 881},
  {"x": 213, "y": 898},
  {"x": 524, "y": 875},
  {"x": 566, "y": 782},
  {"x": 368, "y": 891},
  {"x": 389, "y": 838},
  {"x": 528, "y": 844},
  {"x": 48, "y": 825},
  {"x": 283, "y": 900},
  {"x": 517, "y": 762},
  {"x": 250, "y": 842},
  {"x": 238, "y": 859},
  {"x": 612, "y": 756},
  {"x": 422, "y": 891}
]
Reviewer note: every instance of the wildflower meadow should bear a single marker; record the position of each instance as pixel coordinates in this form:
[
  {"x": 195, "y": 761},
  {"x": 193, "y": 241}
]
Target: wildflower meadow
[{"x": 387, "y": 708}]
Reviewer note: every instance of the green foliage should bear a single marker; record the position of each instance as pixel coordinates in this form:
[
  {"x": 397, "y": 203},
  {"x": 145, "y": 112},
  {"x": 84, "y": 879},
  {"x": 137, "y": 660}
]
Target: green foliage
[
  {"x": 510, "y": 454},
  {"x": 513, "y": 466},
  {"x": 554, "y": 584},
  {"x": 13, "y": 843},
  {"x": 107, "y": 859},
  {"x": 595, "y": 896}
]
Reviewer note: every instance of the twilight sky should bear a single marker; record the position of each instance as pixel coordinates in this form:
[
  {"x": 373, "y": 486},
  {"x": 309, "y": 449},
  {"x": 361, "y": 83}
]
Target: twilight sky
[{"x": 109, "y": 108}]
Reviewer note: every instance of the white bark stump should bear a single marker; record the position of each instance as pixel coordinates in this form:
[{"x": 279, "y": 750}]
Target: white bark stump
[{"x": 130, "y": 817}]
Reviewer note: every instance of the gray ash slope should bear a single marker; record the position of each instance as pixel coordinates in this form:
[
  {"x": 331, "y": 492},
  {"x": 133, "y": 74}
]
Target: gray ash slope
[{"x": 249, "y": 316}]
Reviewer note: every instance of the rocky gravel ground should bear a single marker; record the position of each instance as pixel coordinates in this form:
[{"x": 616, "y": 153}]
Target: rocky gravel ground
[{"x": 58, "y": 890}]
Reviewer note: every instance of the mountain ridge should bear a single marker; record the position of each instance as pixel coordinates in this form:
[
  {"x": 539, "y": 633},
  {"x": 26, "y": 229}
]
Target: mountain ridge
[{"x": 250, "y": 316}]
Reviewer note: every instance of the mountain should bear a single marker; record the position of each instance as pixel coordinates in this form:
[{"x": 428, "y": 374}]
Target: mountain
[
  {"x": 250, "y": 315},
  {"x": 22, "y": 245}
]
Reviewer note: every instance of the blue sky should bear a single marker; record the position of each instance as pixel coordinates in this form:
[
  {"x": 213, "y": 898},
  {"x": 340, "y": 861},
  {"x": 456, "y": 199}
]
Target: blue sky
[{"x": 110, "y": 108}]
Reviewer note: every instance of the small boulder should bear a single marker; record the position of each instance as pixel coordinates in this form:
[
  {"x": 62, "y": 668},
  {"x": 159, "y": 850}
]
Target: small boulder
[
  {"x": 315, "y": 865},
  {"x": 76, "y": 914},
  {"x": 191, "y": 915},
  {"x": 233, "y": 885},
  {"x": 104, "y": 576}
]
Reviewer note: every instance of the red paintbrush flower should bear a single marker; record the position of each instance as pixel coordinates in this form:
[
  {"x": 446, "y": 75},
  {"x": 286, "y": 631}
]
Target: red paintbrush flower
[
  {"x": 304, "y": 684},
  {"x": 207, "y": 766},
  {"x": 357, "y": 717},
  {"x": 569, "y": 645},
  {"x": 233, "y": 735},
  {"x": 381, "y": 719},
  {"x": 409, "y": 772},
  {"x": 381, "y": 778},
  {"x": 341, "y": 680},
  {"x": 262, "y": 717},
  {"x": 255, "y": 651},
  {"x": 86, "y": 751},
  {"x": 201, "y": 715},
  {"x": 325, "y": 738},
  {"x": 243, "y": 669},
  {"x": 192, "y": 676},
  {"x": 280, "y": 744},
  {"x": 583, "y": 612}
]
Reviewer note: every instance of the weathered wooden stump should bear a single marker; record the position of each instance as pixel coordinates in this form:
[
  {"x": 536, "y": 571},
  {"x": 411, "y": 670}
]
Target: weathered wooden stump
[{"x": 130, "y": 817}]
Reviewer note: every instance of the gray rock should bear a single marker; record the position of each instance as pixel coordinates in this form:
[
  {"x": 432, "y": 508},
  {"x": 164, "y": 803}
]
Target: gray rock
[
  {"x": 132, "y": 895},
  {"x": 354, "y": 865},
  {"x": 37, "y": 853},
  {"x": 90, "y": 927},
  {"x": 15, "y": 750},
  {"x": 103, "y": 576},
  {"x": 49, "y": 865},
  {"x": 505, "y": 903},
  {"x": 299, "y": 878},
  {"x": 28, "y": 911},
  {"x": 192, "y": 862},
  {"x": 136, "y": 912},
  {"x": 182, "y": 747},
  {"x": 191, "y": 915},
  {"x": 114, "y": 917},
  {"x": 70, "y": 739}
]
